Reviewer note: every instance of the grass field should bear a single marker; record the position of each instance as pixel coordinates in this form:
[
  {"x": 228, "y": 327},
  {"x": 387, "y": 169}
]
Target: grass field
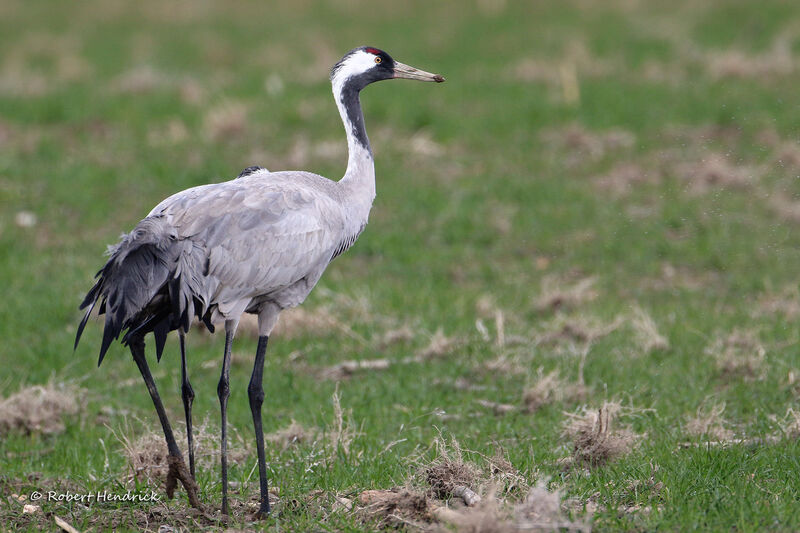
[{"x": 579, "y": 276}]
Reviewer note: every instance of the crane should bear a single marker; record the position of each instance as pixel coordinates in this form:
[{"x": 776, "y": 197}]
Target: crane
[{"x": 256, "y": 244}]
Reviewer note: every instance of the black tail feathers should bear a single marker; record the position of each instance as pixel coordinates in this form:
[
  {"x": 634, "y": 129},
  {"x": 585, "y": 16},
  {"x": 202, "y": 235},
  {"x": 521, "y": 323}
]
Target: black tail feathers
[{"x": 137, "y": 290}]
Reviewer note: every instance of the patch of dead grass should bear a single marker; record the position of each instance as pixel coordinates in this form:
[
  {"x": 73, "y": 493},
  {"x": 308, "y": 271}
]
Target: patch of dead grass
[
  {"x": 551, "y": 388},
  {"x": 715, "y": 170},
  {"x": 396, "y": 508},
  {"x": 581, "y": 144},
  {"x": 439, "y": 345},
  {"x": 399, "y": 335},
  {"x": 791, "y": 424},
  {"x": 39, "y": 409},
  {"x": 571, "y": 329},
  {"x": 557, "y": 294},
  {"x": 449, "y": 472},
  {"x": 291, "y": 435},
  {"x": 787, "y": 208},
  {"x": 784, "y": 302},
  {"x": 595, "y": 439},
  {"x": 646, "y": 332},
  {"x": 739, "y": 354},
  {"x": 147, "y": 453},
  {"x": 622, "y": 178},
  {"x": 347, "y": 369},
  {"x": 541, "y": 510},
  {"x": 776, "y": 62},
  {"x": 708, "y": 422},
  {"x": 225, "y": 121}
]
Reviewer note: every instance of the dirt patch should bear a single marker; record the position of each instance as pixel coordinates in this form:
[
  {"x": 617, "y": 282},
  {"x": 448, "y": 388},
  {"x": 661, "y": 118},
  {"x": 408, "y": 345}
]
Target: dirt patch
[
  {"x": 449, "y": 472},
  {"x": 39, "y": 409},
  {"x": 396, "y": 508},
  {"x": 596, "y": 441}
]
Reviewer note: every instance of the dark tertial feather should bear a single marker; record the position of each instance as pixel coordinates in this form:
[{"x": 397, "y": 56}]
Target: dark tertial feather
[
  {"x": 83, "y": 324},
  {"x": 160, "y": 333}
]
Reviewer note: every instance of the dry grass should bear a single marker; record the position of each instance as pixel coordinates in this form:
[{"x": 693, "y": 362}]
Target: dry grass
[
  {"x": 784, "y": 302},
  {"x": 577, "y": 58},
  {"x": 582, "y": 145},
  {"x": 541, "y": 510},
  {"x": 39, "y": 409},
  {"x": 140, "y": 79},
  {"x": 147, "y": 453},
  {"x": 396, "y": 508},
  {"x": 791, "y": 424},
  {"x": 595, "y": 439},
  {"x": 439, "y": 345},
  {"x": 291, "y": 435},
  {"x": 343, "y": 431},
  {"x": 776, "y": 62},
  {"x": 225, "y": 121},
  {"x": 399, "y": 335},
  {"x": 551, "y": 388},
  {"x": 785, "y": 207},
  {"x": 575, "y": 329},
  {"x": 557, "y": 294},
  {"x": 715, "y": 170},
  {"x": 709, "y": 423},
  {"x": 646, "y": 332},
  {"x": 449, "y": 472},
  {"x": 739, "y": 354},
  {"x": 622, "y": 178},
  {"x": 347, "y": 369}
]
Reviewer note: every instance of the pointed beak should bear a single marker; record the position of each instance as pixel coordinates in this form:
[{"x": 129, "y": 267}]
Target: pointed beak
[{"x": 410, "y": 73}]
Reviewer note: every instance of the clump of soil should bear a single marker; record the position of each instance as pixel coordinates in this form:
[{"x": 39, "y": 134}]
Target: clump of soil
[{"x": 595, "y": 439}]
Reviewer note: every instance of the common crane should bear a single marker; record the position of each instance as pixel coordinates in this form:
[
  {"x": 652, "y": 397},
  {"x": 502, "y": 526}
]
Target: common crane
[{"x": 256, "y": 244}]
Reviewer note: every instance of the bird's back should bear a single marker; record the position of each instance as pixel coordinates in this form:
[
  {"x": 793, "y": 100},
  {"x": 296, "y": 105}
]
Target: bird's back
[{"x": 215, "y": 250}]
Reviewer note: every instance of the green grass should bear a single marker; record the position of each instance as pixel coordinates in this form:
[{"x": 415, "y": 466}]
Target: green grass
[{"x": 502, "y": 208}]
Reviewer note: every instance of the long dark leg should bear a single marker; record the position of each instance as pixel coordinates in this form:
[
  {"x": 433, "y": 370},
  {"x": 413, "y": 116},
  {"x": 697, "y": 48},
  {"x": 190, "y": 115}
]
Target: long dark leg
[
  {"x": 255, "y": 391},
  {"x": 177, "y": 468},
  {"x": 187, "y": 393},
  {"x": 223, "y": 391}
]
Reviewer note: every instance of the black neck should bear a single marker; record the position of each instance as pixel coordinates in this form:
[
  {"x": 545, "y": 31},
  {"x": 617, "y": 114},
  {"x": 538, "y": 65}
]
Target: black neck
[{"x": 352, "y": 106}]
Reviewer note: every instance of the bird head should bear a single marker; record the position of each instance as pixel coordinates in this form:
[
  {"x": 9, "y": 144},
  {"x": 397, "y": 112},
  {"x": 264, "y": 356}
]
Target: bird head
[{"x": 365, "y": 65}]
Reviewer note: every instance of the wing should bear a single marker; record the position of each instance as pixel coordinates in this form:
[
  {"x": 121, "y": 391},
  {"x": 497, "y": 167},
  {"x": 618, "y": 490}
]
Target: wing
[{"x": 252, "y": 236}]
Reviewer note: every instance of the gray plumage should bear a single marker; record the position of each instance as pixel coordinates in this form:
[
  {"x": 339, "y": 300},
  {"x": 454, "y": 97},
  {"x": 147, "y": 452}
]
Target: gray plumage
[{"x": 256, "y": 244}]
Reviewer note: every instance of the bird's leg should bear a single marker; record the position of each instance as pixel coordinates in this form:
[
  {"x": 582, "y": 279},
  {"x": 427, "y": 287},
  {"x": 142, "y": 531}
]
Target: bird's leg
[
  {"x": 177, "y": 468},
  {"x": 187, "y": 393},
  {"x": 223, "y": 391},
  {"x": 255, "y": 392}
]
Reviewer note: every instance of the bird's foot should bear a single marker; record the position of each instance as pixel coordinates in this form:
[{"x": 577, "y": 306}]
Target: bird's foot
[
  {"x": 178, "y": 471},
  {"x": 261, "y": 514}
]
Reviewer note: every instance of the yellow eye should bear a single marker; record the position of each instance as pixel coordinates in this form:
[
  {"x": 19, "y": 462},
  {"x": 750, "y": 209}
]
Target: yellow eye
[{"x": 378, "y": 59}]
